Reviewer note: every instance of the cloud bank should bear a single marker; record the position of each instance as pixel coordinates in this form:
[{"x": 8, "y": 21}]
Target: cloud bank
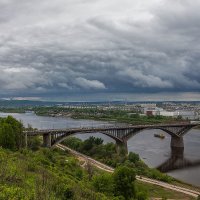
[{"x": 52, "y": 48}]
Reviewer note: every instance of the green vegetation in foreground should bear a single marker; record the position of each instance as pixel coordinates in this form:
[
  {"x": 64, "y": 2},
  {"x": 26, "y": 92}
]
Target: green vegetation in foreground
[
  {"x": 44, "y": 174},
  {"x": 106, "y": 153},
  {"x": 11, "y": 133},
  {"x": 51, "y": 174}
]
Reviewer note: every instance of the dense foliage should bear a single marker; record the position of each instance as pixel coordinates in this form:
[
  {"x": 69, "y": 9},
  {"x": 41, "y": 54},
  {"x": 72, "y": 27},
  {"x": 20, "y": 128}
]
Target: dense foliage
[
  {"x": 11, "y": 133},
  {"x": 44, "y": 174},
  {"x": 108, "y": 154},
  {"x": 54, "y": 175},
  {"x": 50, "y": 174},
  {"x": 124, "y": 179},
  {"x": 121, "y": 184}
]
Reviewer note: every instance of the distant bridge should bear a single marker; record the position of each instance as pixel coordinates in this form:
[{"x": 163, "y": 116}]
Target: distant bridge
[{"x": 121, "y": 134}]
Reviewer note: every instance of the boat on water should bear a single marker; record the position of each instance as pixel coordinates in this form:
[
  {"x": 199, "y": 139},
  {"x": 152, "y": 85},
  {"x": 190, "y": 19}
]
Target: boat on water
[{"x": 160, "y": 135}]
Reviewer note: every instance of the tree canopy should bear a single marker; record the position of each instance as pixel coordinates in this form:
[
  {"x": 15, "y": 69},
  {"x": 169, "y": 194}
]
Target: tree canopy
[
  {"x": 11, "y": 133},
  {"x": 124, "y": 178}
]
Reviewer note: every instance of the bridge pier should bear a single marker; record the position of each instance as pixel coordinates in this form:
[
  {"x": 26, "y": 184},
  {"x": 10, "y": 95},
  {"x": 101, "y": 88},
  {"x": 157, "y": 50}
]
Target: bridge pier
[
  {"x": 177, "y": 146},
  {"x": 177, "y": 160},
  {"x": 121, "y": 147},
  {"x": 47, "y": 140}
]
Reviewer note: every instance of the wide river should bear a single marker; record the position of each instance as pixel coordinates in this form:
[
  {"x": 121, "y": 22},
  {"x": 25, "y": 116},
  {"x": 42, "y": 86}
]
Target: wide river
[{"x": 152, "y": 150}]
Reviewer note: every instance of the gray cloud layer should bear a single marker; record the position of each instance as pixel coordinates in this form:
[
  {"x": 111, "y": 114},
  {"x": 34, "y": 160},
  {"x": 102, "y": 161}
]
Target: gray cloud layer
[{"x": 75, "y": 46}]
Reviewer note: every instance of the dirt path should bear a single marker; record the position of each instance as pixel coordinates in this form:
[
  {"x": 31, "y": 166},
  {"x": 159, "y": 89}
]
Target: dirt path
[{"x": 106, "y": 168}]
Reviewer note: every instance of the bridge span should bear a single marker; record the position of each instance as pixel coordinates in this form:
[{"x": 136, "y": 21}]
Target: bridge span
[{"x": 121, "y": 134}]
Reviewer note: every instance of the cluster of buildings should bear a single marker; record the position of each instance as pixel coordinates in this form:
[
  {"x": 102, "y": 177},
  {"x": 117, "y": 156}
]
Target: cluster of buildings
[
  {"x": 177, "y": 110},
  {"x": 188, "y": 111}
]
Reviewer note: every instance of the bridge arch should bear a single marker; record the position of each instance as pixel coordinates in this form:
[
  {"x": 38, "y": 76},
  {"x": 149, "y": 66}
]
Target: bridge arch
[
  {"x": 121, "y": 142},
  {"x": 64, "y": 136},
  {"x": 133, "y": 133}
]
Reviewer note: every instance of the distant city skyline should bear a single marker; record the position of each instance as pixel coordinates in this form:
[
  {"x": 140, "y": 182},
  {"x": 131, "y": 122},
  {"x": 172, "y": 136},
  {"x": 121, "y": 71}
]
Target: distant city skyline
[
  {"x": 90, "y": 50},
  {"x": 101, "y": 97}
]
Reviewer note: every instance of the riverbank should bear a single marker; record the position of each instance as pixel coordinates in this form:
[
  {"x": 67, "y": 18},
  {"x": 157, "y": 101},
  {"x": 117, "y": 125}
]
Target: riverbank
[{"x": 118, "y": 116}]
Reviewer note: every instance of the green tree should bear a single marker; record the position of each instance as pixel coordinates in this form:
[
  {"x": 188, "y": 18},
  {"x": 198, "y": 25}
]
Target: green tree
[
  {"x": 34, "y": 143},
  {"x": 11, "y": 133},
  {"x": 133, "y": 157},
  {"x": 7, "y": 139},
  {"x": 18, "y": 131},
  {"x": 124, "y": 178},
  {"x": 88, "y": 144},
  {"x": 103, "y": 183},
  {"x": 98, "y": 141},
  {"x": 74, "y": 143}
]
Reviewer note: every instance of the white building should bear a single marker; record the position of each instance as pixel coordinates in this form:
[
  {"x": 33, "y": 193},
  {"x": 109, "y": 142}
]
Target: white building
[
  {"x": 167, "y": 113},
  {"x": 187, "y": 114}
]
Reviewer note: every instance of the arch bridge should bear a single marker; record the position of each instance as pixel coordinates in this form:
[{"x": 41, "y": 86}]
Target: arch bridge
[{"x": 120, "y": 134}]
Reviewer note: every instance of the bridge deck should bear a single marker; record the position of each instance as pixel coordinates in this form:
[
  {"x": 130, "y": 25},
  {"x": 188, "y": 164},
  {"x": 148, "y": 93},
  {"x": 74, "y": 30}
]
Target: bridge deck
[{"x": 103, "y": 128}]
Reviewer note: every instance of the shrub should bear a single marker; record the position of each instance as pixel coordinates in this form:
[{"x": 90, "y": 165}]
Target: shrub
[
  {"x": 103, "y": 183},
  {"x": 124, "y": 178}
]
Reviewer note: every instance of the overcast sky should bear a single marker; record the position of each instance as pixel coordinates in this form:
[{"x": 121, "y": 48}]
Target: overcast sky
[{"x": 57, "y": 49}]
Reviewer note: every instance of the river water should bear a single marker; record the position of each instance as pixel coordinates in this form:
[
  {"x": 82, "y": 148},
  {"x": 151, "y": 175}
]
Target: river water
[{"x": 152, "y": 150}]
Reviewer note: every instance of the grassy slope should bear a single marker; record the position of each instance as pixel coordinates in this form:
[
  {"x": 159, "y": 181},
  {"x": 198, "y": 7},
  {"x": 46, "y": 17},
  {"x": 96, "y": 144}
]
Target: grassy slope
[
  {"x": 45, "y": 174},
  {"x": 160, "y": 192},
  {"x": 48, "y": 174}
]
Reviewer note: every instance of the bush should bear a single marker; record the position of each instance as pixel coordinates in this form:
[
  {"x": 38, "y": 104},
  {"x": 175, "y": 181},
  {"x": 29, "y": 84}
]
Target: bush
[
  {"x": 68, "y": 193},
  {"x": 34, "y": 143},
  {"x": 133, "y": 157},
  {"x": 32, "y": 167},
  {"x": 124, "y": 178},
  {"x": 142, "y": 196},
  {"x": 11, "y": 133},
  {"x": 103, "y": 183}
]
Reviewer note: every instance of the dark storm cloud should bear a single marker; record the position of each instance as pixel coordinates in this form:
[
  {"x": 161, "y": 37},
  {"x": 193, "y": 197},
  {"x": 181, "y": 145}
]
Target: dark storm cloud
[{"x": 52, "y": 47}]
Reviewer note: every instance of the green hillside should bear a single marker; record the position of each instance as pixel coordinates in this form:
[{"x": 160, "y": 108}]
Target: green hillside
[{"x": 52, "y": 174}]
